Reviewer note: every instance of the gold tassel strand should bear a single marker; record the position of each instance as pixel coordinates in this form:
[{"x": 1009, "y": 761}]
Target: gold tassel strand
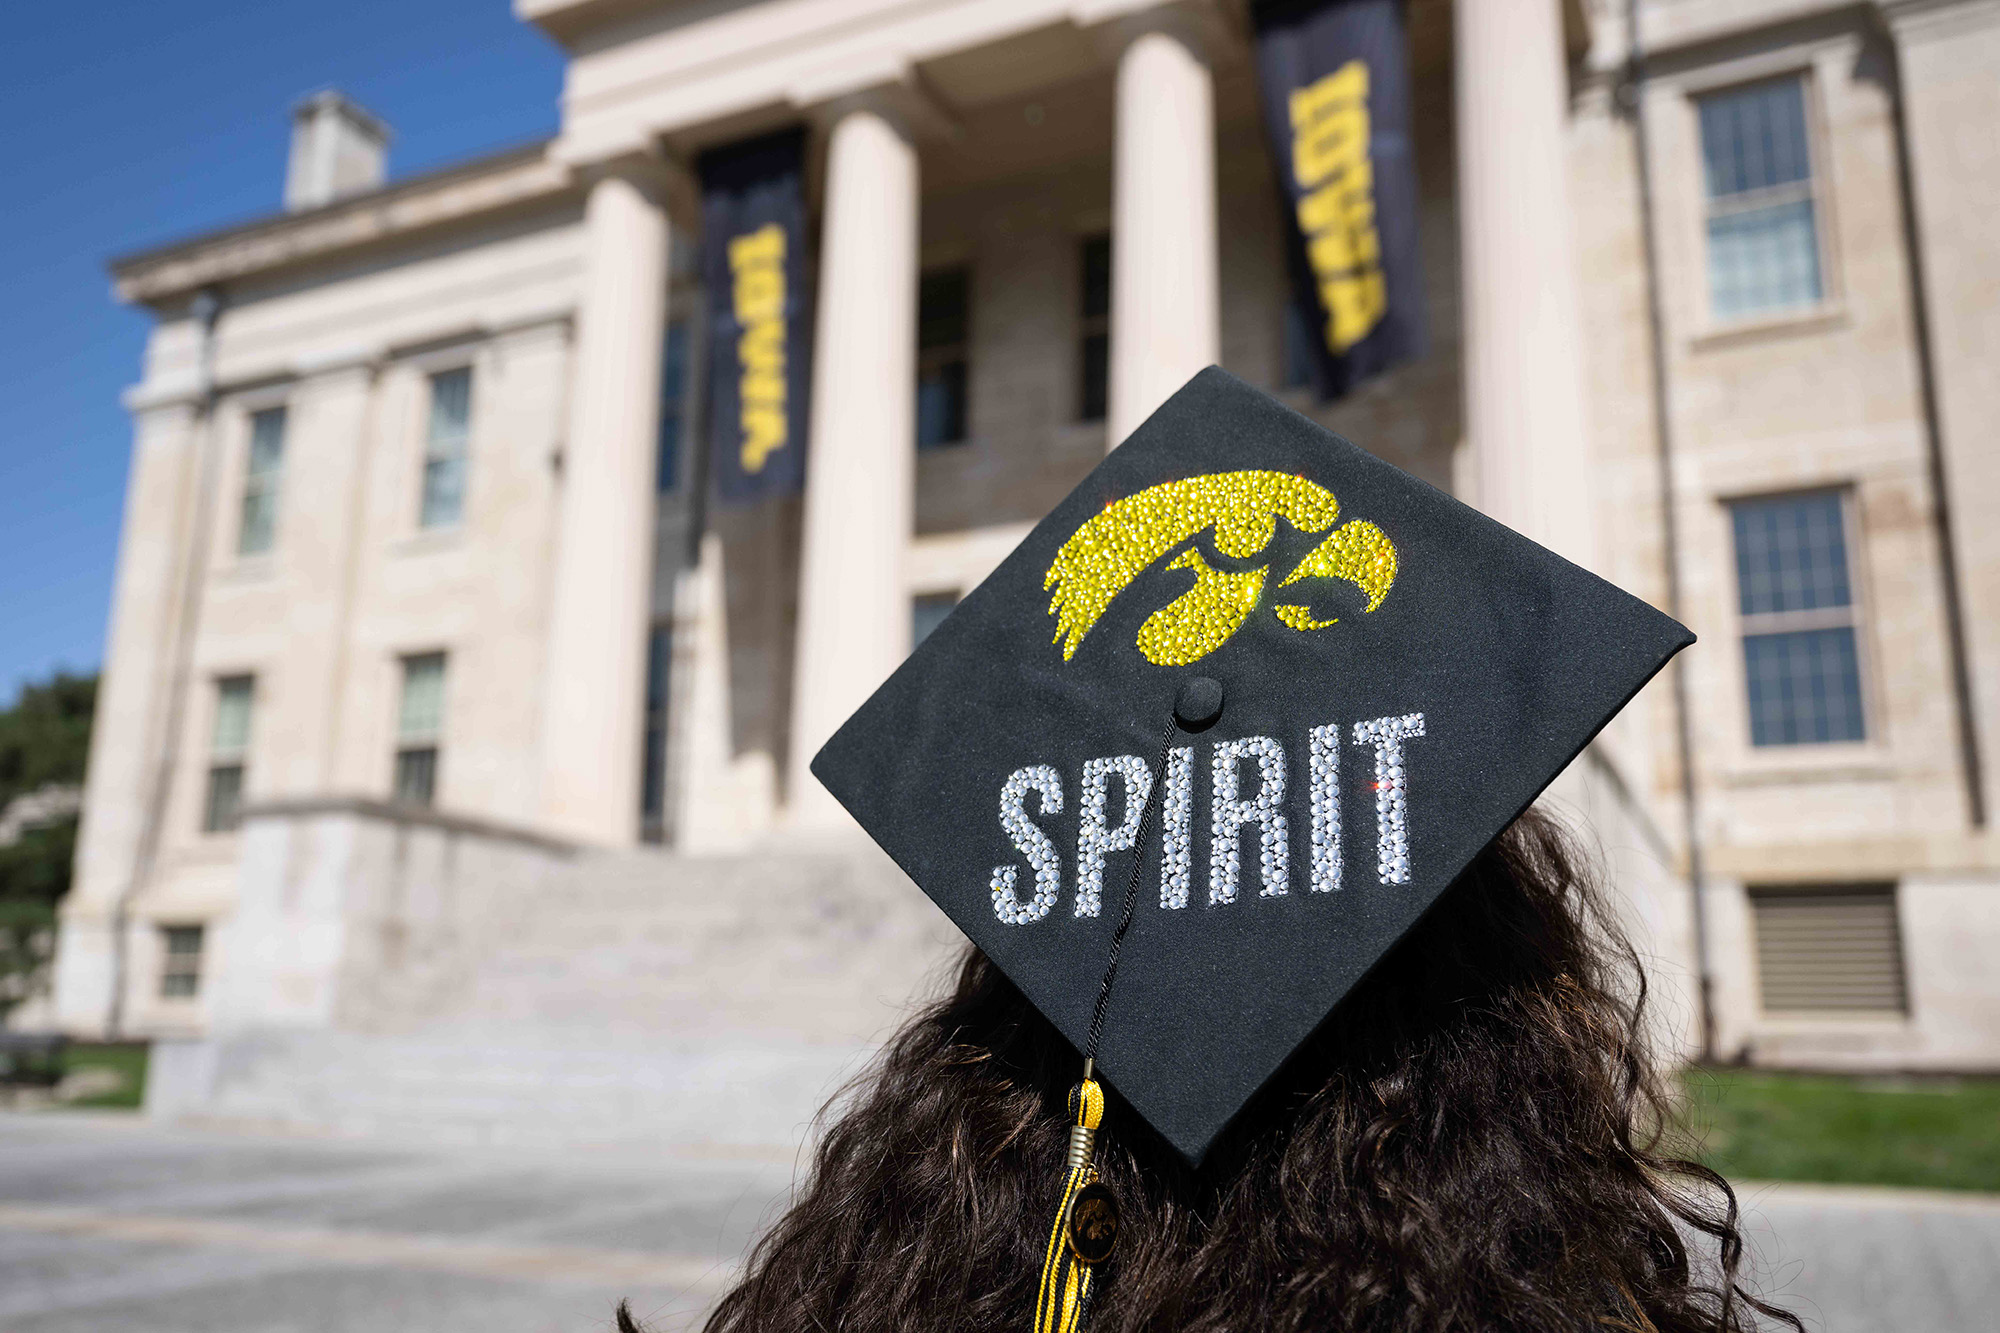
[
  {"x": 1086, "y": 1229},
  {"x": 1066, "y": 1273}
]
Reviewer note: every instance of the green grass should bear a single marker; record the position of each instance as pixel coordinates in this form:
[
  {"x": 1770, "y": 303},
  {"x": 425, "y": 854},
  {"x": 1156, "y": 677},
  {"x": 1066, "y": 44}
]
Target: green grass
[
  {"x": 127, "y": 1058},
  {"x": 1927, "y": 1133}
]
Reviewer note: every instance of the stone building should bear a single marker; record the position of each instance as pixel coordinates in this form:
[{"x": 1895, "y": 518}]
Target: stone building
[{"x": 425, "y": 629}]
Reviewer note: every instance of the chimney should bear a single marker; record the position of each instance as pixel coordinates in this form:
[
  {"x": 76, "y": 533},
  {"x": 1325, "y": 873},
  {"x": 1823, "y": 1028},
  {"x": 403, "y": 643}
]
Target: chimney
[{"x": 338, "y": 149}]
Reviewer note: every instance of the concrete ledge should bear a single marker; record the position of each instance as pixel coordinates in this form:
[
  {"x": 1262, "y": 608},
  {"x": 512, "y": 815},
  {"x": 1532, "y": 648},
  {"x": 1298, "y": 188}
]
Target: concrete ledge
[{"x": 416, "y": 816}]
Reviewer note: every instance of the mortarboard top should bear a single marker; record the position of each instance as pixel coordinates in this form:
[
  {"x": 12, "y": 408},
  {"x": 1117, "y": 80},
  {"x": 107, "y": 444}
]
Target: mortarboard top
[{"x": 1400, "y": 676}]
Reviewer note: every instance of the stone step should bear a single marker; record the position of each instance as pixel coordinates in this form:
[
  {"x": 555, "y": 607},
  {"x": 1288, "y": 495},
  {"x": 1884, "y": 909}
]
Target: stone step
[
  {"x": 629, "y": 996},
  {"x": 751, "y": 1097},
  {"x": 805, "y": 948}
]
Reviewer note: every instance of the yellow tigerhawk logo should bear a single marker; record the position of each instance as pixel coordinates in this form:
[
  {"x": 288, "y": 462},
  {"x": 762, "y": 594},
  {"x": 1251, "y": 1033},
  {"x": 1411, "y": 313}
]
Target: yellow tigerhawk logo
[{"x": 1114, "y": 547}]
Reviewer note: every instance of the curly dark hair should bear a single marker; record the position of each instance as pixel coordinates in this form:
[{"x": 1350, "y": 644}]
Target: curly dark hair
[{"x": 1474, "y": 1141}]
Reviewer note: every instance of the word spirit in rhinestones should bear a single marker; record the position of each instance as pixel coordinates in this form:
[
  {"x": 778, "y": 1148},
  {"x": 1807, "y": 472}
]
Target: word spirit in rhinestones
[{"x": 1233, "y": 816}]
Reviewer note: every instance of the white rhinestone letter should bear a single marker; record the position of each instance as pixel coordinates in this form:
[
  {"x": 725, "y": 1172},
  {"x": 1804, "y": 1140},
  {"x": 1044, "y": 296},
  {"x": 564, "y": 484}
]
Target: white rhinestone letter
[
  {"x": 1227, "y": 815},
  {"x": 1093, "y": 839},
  {"x": 1177, "y": 829},
  {"x": 1032, "y": 843},
  {"x": 1392, "y": 791},
  {"x": 1325, "y": 808}
]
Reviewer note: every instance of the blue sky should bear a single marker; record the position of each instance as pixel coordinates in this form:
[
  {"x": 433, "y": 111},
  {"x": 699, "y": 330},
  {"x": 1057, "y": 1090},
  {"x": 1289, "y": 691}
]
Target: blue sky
[{"x": 130, "y": 122}]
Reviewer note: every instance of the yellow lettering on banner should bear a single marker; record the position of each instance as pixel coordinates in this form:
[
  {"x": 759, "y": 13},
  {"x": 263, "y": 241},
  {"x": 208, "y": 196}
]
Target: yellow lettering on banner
[
  {"x": 763, "y": 435},
  {"x": 1341, "y": 202},
  {"x": 1330, "y": 161},
  {"x": 757, "y": 262},
  {"x": 760, "y": 294},
  {"x": 764, "y": 391},
  {"x": 761, "y": 349},
  {"x": 1354, "y": 303},
  {"x": 1339, "y": 250},
  {"x": 1330, "y": 124}
]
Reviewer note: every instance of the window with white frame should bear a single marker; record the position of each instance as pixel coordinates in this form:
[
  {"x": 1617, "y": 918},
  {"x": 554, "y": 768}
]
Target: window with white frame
[
  {"x": 180, "y": 962},
  {"x": 445, "y": 442},
  {"x": 262, "y": 472},
  {"x": 229, "y": 747},
  {"x": 419, "y": 728},
  {"x": 1795, "y": 596},
  {"x": 1762, "y": 216}
]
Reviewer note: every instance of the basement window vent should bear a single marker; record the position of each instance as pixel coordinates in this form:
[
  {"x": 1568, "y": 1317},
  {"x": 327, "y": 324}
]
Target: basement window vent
[{"x": 1829, "y": 949}]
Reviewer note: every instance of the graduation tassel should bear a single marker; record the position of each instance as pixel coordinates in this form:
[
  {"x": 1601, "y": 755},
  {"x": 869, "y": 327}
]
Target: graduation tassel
[
  {"x": 1086, "y": 1227},
  {"x": 1067, "y": 1269}
]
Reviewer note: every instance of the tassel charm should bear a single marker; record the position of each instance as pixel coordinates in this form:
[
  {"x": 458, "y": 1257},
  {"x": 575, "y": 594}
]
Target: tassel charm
[{"x": 1086, "y": 1224}]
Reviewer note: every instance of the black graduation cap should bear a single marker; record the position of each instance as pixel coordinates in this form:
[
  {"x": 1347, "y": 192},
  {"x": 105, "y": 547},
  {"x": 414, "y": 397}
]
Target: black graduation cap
[{"x": 1400, "y": 676}]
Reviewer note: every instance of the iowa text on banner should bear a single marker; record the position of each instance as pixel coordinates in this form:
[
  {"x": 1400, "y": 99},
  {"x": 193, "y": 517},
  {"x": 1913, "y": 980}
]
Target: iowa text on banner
[
  {"x": 754, "y": 269},
  {"x": 1336, "y": 88}
]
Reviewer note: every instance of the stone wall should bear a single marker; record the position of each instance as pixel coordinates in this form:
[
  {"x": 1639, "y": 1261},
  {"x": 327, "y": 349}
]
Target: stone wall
[
  {"x": 395, "y": 970},
  {"x": 367, "y": 917}
]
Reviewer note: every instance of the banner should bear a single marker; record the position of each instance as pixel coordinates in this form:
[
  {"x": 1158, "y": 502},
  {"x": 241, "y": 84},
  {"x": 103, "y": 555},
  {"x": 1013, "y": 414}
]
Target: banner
[
  {"x": 1336, "y": 86},
  {"x": 753, "y": 265}
]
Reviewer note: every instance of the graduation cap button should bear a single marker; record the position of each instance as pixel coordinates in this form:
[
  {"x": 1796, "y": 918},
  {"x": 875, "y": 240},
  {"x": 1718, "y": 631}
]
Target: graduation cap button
[{"x": 1199, "y": 703}]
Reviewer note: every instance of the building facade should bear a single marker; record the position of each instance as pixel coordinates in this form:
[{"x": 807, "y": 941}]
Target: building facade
[{"x": 418, "y": 527}]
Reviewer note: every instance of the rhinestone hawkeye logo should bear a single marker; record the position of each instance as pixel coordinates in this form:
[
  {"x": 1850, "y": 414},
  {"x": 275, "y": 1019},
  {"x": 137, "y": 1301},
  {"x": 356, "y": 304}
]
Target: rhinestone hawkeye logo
[{"x": 1241, "y": 509}]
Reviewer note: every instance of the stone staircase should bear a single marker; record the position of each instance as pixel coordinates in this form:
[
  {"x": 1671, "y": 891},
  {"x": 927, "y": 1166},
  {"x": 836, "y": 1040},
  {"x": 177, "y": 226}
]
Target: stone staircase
[{"x": 634, "y": 998}]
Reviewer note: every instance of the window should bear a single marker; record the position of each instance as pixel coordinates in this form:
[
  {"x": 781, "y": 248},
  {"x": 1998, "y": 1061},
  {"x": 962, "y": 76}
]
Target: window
[
  {"x": 260, "y": 482},
  {"x": 673, "y": 404},
  {"x": 653, "y": 777},
  {"x": 1094, "y": 350},
  {"x": 1829, "y": 949},
  {"x": 1800, "y": 661},
  {"x": 229, "y": 744},
  {"x": 419, "y": 723},
  {"x": 180, "y": 968},
  {"x": 1763, "y": 231},
  {"x": 943, "y": 301},
  {"x": 928, "y": 612},
  {"x": 445, "y": 443}
]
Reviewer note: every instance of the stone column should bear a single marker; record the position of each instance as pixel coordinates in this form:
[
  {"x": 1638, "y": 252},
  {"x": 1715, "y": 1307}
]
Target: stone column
[
  {"x": 854, "y": 605},
  {"x": 1524, "y": 396},
  {"x": 713, "y": 812},
  {"x": 1948, "y": 60},
  {"x": 1165, "y": 320},
  {"x": 594, "y": 677},
  {"x": 156, "y": 541}
]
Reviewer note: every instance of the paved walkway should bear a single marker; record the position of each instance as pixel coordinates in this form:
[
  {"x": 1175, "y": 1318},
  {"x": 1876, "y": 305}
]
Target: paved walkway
[
  {"x": 110, "y": 1225},
  {"x": 113, "y": 1224},
  {"x": 1863, "y": 1260}
]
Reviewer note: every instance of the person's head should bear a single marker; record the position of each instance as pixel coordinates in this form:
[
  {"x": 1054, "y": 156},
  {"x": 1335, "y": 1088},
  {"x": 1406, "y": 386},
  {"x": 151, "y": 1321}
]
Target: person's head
[{"x": 1471, "y": 1141}]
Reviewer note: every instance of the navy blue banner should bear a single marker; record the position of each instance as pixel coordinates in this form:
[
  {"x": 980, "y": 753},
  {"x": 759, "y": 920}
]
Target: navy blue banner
[
  {"x": 1336, "y": 83},
  {"x": 760, "y": 313}
]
